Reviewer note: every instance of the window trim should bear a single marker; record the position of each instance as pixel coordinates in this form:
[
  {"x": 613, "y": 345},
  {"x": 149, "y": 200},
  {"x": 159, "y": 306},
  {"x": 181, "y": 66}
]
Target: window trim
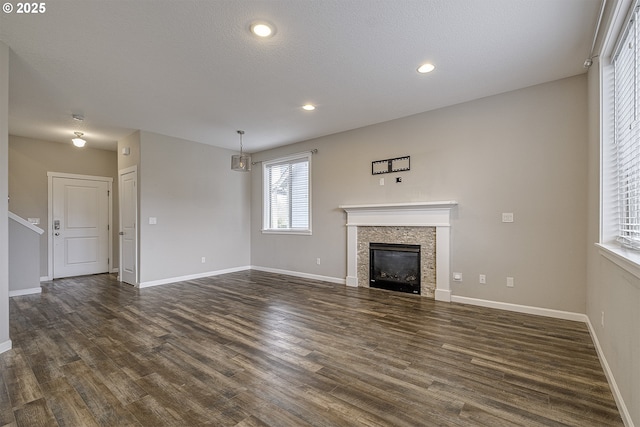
[{"x": 265, "y": 195}]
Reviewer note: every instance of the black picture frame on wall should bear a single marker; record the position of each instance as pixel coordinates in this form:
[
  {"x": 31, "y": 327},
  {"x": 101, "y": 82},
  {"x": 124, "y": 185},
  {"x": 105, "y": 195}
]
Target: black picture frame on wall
[{"x": 398, "y": 164}]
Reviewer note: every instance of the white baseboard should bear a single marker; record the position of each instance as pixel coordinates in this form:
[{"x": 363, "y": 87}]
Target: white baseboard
[
  {"x": 191, "y": 277},
  {"x": 351, "y": 281},
  {"x": 115, "y": 270},
  {"x": 5, "y": 346},
  {"x": 29, "y": 291},
  {"x": 44, "y": 279},
  {"x": 235, "y": 269},
  {"x": 299, "y": 274},
  {"x": 442, "y": 295},
  {"x": 558, "y": 314},
  {"x": 622, "y": 407}
]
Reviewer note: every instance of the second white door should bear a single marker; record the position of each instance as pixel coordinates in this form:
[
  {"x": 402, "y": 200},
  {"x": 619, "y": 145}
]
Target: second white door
[{"x": 128, "y": 232}]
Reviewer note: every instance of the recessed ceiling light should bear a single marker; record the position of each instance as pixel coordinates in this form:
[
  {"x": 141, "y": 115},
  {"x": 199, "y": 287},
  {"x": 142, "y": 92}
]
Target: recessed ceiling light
[
  {"x": 309, "y": 107},
  {"x": 426, "y": 68},
  {"x": 262, "y": 29}
]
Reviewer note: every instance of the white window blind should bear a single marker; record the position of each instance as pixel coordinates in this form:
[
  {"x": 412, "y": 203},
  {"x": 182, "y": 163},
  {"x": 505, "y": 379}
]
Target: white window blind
[
  {"x": 626, "y": 133},
  {"x": 287, "y": 194}
]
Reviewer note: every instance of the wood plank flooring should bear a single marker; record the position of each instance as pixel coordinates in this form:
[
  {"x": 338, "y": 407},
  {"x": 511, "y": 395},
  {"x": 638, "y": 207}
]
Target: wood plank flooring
[{"x": 260, "y": 349}]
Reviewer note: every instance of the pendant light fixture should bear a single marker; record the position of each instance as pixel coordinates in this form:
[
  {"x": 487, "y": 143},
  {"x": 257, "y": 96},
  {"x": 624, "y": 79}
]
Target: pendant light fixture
[
  {"x": 241, "y": 162},
  {"x": 78, "y": 141}
]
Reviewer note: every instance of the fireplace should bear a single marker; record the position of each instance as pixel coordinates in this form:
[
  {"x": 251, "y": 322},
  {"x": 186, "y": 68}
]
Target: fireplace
[
  {"x": 395, "y": 267},
  {"x": 389, "y": 216}
]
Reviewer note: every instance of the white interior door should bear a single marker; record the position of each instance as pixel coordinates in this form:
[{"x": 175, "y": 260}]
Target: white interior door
[
  {"x": 80, "y": 227},
  {"x": 128, "y": 229}
]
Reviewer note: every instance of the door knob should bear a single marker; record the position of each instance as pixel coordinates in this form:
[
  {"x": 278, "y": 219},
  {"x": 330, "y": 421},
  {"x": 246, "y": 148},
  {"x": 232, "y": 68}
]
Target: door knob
[
  {"x": 56, "y": 233},
  {"x": 121, "y": 233}
]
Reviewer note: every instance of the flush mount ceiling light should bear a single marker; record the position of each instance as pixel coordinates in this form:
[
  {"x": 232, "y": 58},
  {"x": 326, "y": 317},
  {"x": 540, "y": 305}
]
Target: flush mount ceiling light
[
  {"x": 309, "y": 107},
  {"x": 426, "y": 68},
  {"x": 78, "y": 141},
  {"x": 262, "y": 29},
  {"x": 241, "y": 162}
]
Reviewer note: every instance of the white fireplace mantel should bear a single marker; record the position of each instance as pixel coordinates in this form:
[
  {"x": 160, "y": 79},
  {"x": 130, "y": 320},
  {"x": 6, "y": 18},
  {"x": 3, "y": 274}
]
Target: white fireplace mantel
[{"x": 415, "y": 214}]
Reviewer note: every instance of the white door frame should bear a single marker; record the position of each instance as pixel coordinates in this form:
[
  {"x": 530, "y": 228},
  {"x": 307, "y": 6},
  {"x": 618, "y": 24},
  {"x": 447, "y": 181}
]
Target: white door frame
[
  {"x": 122, "y": 172},
  {"x": 50, "y": 176}
]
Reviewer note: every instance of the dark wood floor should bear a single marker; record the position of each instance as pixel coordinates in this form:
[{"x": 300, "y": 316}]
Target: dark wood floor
[{"x": 259, "y": 349}]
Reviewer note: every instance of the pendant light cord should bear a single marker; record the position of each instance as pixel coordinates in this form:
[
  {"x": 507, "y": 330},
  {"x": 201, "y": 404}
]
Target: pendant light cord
[{"x": 240, "y": 132}]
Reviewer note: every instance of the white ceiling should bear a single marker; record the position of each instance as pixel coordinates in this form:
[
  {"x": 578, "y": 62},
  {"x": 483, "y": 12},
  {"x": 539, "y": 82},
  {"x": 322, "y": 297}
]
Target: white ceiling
[{"x": 191, "y": 69}]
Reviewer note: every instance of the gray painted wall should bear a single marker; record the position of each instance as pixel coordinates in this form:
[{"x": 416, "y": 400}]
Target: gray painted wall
[
  {"x": 24, "y": 257},
  {"x": 29, "y": 162},
  {"x": 133, "y": 158},
  {"x": 201, "y": 206},
  {"x": 523, "y": 152},
  {"x": 5, "y": 342}
]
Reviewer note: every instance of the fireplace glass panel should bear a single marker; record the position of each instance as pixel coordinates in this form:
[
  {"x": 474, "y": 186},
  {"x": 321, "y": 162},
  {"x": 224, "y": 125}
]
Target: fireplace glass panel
[{"x": 394, "y": 267}]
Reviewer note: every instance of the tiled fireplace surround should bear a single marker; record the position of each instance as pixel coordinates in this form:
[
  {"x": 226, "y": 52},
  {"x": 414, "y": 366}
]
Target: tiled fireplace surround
[
  {"x": 423, "y": 223},
  {"x": 425, "y": 237}
]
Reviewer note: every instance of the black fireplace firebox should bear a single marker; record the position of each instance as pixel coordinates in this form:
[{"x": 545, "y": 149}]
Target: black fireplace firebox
[{"x": 395, "y": 267}]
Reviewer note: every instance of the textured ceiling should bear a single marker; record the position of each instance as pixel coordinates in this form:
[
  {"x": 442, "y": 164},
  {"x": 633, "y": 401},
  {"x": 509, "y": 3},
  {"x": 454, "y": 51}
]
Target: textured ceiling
[{"x": 191, "y": 69}]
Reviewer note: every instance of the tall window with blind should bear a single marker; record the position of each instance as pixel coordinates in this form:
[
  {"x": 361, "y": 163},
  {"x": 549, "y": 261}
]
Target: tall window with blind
[
  {"x": 287, "y": 194},
  {"x": 626, "y": 133}
]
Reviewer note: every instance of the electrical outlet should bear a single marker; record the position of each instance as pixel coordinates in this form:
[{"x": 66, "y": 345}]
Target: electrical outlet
[
  {"x": 381, "y": 181},
  {"x": 203, "y": 260},
  {"x": 318, "y": 261},
  {"x": 482, "y": 279},
  {"x": 510, "y": 282},
  {"x": 602, "y": 318},
  {"x": 507, "y": 217}
]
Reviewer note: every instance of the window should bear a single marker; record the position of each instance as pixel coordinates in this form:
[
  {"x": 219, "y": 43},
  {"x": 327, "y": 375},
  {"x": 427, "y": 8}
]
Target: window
[
  {"x": 287, "y": 195},
  {"x": 620, "y": 139},
  {"x": 626, "y": 135}
]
